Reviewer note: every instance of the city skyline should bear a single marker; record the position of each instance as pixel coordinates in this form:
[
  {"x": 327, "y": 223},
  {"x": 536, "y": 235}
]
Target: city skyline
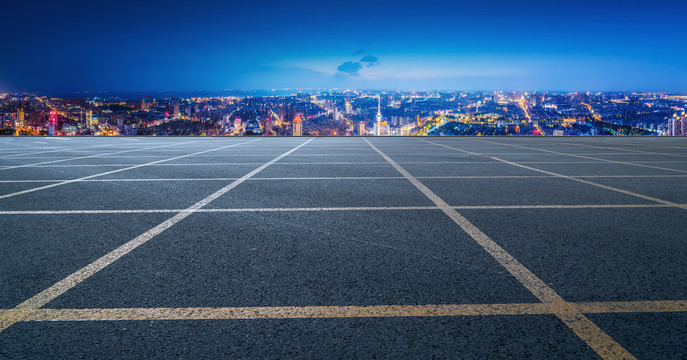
[
  {"x": 76, "y": 46},
  {"x": 350, "y": 113}
]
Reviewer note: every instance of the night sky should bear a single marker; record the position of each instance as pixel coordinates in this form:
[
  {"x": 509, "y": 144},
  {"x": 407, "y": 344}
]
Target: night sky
[{"x": 67, "y": 46}]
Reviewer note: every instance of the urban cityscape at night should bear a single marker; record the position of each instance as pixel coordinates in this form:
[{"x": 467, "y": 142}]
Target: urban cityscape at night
[
  {"x": 343, "y": 180},
  {"x": 351, "y": 113}
]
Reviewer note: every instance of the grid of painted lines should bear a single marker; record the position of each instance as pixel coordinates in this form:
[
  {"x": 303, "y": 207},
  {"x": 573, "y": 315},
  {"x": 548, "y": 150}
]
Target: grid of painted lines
[{"x": 344, "y": 247}]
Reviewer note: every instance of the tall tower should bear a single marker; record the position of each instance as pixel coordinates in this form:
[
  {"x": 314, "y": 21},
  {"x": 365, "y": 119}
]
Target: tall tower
[
  {"x": 176, "y": 110},
  {"x": 379, "y": 116},
  {"x": 20, "y": 117},
  {"x": 52, "y": 123},
  {"x": 89, "y": 118},
  {"x": 298, "y": 125}
]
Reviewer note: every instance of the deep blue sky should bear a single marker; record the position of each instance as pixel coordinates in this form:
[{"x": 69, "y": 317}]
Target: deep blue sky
[{"x": 69, "y": 46}]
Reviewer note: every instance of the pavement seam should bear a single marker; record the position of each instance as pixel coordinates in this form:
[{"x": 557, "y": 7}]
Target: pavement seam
[{"x": 585, "y": 329}]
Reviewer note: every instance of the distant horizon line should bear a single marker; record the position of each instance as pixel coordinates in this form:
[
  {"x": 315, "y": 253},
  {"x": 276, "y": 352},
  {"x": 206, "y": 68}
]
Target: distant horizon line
[{"x": 303, "y": 89}]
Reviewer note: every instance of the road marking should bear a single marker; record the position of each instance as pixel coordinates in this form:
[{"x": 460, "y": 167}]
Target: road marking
[
  {"x": 49, "y": 151},
  {"x": 616, "y": 307},
  {"x": 626, "y": 150},
  {"x": 87, "y": 271},
  {"x": 44, "y": 163},
  {"x": 591, "y": 334},
  {"x": 49, "y": 164},
  {"x": 344, "y": 208},
  {"x": 578, "y": 179},
  {"x": 116, "y": 171},
  {"x": 39, "y": 165},
  {"x": 585, "y": 157},
  {"x": 312, "y": 312},
  {"x": 346, "y": 178}
]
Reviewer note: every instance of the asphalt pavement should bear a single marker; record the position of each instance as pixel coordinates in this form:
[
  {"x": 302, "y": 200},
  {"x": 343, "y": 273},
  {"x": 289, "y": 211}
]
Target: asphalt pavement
[{"x": 297, "y": 247}]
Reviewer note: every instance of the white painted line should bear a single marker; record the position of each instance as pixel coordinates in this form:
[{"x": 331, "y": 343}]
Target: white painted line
[
  {"x": 578, "y": 179},
  {"x": 591, "y": 334},
  {"x": 585, "y": 157},
  {"x": 116, "y": 171},
  {"x": 627, "y": 150},
  {"x": 87, "y": 271},
  {"x": 458, "y": 177},
  {"x": 50, "y": 151},
  {"x": 40, "y": 165},
  {"x": 345, "y": 208},
  {"x": 52, "y": 162}
]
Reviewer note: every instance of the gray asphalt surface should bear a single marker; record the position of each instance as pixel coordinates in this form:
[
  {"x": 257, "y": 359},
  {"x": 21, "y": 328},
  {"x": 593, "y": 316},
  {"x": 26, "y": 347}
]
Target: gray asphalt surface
[{"x": 333, "y": 224}]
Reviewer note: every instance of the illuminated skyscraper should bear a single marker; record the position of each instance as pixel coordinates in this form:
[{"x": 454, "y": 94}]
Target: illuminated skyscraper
[
  {"x": 238, "y": 129},
  {"x": 405, "y": 130},
  {"x": 349, "y": 109},
  {"x": 677, "y": 126},
  {"x": 361, "y": 128},
  {"x": 298, "y": 125},
  {"x": 176, "y": 110},
  {"x": 89, "y": 118},
  {"x": 378, "y": 122},
  {"x": 52, "y": 123},
  {"x": 20, "y": 117}
]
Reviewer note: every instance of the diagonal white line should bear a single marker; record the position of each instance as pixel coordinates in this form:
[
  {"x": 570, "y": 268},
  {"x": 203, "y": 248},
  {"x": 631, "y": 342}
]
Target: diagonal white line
[
  {"x": 626, "y": 192},
  {"x": 584, "y": 157},
  {"x": 116, "y": 171},
  {"x": 89, "y": 156},
  {"x": 596, "y": 338},
  {"x": 60, "y": 149},
  {"x": 626, "y": 150},
  {"x": 84, "y": 273}
]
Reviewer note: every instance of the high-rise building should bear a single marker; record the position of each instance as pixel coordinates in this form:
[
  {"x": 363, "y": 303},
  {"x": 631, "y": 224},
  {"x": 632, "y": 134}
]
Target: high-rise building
[
  {"x": 378, "y": 120},
  {"x": 238, "y": 129},
  {"x": 52, "y": 123},
  {"x": 361, "y": 128},
  {"x": 677, "y": 126},
  {"x": 349, "y": 108},
  {"x": 298, "y": 125},
  {"x": 267, "y": 125},
  {"x": 89, "y": 118},
  {"x": 405, "y": 130},
  {"x": 176, "y": 110},
  {"x": 20, "y": 117}
]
